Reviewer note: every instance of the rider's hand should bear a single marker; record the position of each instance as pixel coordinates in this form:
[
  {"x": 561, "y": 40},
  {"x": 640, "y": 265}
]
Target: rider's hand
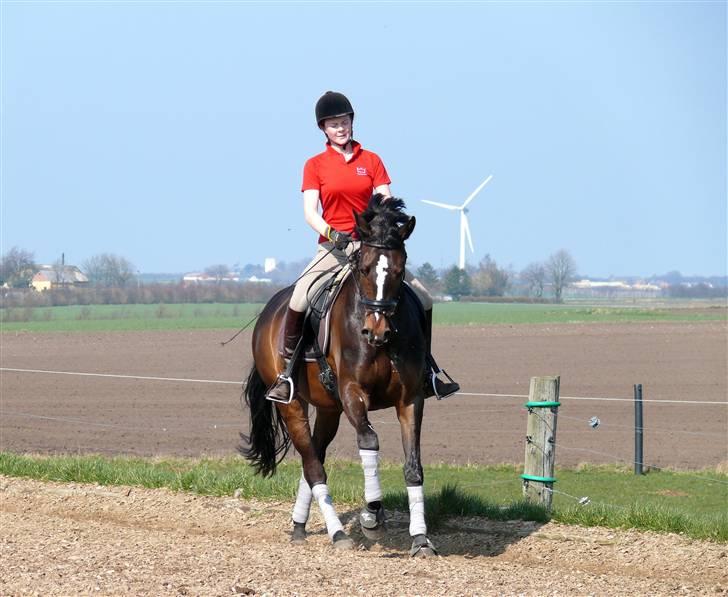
[{"x": 340, "y": 239}]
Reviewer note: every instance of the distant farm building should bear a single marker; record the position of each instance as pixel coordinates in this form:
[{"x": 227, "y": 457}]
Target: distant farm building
[
  {"x": 204, "y": 278},
  {"x": 612, "y": 289},
  {"x": 64, "y": 276}
]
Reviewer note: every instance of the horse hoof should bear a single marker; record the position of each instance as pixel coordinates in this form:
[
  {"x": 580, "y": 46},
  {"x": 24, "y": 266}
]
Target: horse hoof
[
  {"x": 342, "y": 541},
  {"x": 298, "y": 537},
  {"x": 371, "y": 521},
  {"x": 374, "y": 534},
  {"x": 422, "y": 547}
]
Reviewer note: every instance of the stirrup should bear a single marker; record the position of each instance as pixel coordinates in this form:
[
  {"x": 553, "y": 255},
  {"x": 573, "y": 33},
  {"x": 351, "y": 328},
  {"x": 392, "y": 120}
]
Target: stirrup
[
  {"x": 434, "y": 381},
  {"x": 282, "y": 378}
]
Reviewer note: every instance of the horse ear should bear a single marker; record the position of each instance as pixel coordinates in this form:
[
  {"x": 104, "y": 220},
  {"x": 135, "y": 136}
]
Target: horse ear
[
  {"x": 362, "y": 227},
  {"x": 406, "y": 229}
]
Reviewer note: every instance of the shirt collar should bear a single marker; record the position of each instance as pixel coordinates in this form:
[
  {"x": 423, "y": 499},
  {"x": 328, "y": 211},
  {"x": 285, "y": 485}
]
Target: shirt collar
[{"x": 355, "y": 146}]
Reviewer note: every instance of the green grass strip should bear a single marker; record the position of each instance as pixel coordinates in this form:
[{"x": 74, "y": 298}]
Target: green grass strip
[
  {"x": 95, "y": 318},
  {"x": 693, "y": 504}
]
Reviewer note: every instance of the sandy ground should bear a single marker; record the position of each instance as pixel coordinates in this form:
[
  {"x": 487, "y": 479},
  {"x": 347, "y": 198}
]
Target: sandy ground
[
  {"x": 674, "y": 361},
  {"x": 69, "y": 539}
]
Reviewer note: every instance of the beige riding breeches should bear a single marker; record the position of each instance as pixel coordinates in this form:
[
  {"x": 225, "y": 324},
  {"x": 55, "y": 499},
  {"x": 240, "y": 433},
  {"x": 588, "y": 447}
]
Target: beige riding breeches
[{"x": 315, "y": 276}]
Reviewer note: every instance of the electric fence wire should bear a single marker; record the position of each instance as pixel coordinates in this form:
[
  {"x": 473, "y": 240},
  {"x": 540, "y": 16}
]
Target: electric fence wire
[
  {"x": 242, "y": 383},
  {"x": 650, "y": 428},
  {"x": 238, "y": 383}
]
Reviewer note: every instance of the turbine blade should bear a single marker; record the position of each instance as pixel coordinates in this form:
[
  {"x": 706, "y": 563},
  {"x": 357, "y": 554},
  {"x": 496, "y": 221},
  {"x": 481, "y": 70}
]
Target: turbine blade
[
  {"x": 476, "y": 191},
  {"x": 445, "y": 205},
  {"x": 466, "y": 228}
]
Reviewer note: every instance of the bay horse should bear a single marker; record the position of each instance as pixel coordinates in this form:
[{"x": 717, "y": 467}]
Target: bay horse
[{"x": 377, "y": 352}]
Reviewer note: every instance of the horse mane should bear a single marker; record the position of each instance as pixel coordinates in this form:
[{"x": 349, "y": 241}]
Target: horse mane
[{"x": 384, "y": 216}]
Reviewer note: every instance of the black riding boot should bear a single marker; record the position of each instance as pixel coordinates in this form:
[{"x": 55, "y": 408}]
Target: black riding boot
[
  {"x": 281, "y": 390},
  {"x": 434, "y": 386}
]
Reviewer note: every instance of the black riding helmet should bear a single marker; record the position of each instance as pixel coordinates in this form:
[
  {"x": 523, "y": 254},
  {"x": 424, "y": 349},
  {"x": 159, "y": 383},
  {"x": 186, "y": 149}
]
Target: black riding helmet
[{"x": 332, "y": 105}]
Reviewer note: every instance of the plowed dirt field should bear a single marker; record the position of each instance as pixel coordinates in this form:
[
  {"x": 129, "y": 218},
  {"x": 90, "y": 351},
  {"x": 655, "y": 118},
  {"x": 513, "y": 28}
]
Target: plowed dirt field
[{"x": 48, "y": 413}]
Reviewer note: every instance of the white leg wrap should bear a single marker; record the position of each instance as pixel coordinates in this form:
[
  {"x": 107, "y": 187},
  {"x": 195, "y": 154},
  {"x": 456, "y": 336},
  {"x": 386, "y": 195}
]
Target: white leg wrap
[
  {"x": 416, "y": 497},
  {"x": 370, "y": 464},
  {"x": 333, "y": 524},
  {"x": 303, "y": 502}
]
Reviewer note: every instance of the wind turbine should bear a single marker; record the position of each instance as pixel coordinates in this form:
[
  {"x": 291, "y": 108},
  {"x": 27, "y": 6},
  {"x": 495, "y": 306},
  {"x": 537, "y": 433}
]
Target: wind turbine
[{"x": 464, "y": 227}]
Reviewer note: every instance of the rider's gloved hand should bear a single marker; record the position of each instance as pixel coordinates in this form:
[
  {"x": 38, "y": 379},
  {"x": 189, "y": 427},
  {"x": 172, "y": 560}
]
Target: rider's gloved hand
[{"x": 340, "y": 239}]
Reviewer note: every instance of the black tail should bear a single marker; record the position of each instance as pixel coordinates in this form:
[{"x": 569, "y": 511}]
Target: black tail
[{"x": 268, "y": 441}]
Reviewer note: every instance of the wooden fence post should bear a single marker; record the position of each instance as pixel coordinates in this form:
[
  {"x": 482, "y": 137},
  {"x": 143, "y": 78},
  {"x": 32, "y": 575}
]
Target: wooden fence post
[{"x": 538, "y": 473}]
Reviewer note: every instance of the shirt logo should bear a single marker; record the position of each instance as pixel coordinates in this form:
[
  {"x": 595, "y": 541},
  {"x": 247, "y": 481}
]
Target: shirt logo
[{"x": 361, "y": 171}]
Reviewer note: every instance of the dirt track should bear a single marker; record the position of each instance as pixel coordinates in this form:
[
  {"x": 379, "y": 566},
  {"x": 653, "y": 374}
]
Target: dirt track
[
  {"x": 81, "y": 539},
  {"x": 674, "y": 361}
]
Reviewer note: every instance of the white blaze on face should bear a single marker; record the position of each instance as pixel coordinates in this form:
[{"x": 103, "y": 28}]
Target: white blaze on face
[{"x": 381, "y": 270}]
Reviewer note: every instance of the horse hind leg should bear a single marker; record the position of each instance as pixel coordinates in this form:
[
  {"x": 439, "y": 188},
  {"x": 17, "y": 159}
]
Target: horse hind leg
[
  {"x": 314, "y": 474},
  {"x": 301, "y": 510},
  {"x": 325, "y": 428}
]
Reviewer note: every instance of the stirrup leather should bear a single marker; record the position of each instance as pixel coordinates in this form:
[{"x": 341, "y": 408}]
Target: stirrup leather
[{"x": 282, "y": 378}]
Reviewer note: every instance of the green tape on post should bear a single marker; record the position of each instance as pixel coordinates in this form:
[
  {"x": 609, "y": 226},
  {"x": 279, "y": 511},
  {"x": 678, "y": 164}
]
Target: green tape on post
[
  {"x": 539, "y": 479},
  {"x": 546, "y": 404}
]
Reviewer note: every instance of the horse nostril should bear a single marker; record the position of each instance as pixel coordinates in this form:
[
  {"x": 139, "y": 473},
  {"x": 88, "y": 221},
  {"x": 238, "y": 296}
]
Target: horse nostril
[
  {"x": 386, "y": 336},
  {"x": 365, "y": 332}
]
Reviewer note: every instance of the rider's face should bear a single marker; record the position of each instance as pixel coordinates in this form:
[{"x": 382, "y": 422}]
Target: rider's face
[{"x": 338, "y": 130}]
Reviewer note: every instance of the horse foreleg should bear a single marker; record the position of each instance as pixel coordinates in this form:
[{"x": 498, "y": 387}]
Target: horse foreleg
[
  {"x": 371, "y": 518},
  {"x": 324, "y": 431},
  {"x": 410, "y": 420}
]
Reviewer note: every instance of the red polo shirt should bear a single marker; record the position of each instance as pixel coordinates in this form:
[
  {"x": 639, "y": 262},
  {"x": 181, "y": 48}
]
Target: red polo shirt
[{"x": 343, "y": 186}]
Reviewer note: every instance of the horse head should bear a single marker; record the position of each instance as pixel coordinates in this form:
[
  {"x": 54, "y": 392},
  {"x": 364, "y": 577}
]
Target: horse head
[{"x": 379, "y": 265}]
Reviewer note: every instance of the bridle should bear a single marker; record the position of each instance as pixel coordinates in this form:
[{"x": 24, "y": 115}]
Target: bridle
[{"x": 383, "y": 307}]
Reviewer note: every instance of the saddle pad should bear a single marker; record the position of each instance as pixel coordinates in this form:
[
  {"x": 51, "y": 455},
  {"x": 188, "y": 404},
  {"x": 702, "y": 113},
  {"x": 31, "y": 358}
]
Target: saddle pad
[{"x": 319, "y": 316}]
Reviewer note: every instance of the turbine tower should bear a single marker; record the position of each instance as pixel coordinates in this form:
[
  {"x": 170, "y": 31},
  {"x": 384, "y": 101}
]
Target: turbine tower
[{"x": 464, "y": 227}]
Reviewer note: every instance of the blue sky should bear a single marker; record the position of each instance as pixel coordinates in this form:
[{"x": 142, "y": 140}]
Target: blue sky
[{"x": 174, "y": 133}]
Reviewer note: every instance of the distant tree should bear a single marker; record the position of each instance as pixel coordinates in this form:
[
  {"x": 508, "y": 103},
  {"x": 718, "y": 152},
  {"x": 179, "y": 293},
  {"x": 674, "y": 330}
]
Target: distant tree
[
  {"x": 17, "y": 268},
  {"x": 490, "y": 280},
  {"x": 673, "y": 277},
  {"x": 218, "y": 272},
  {"x": 457, "y": 282},
  {"x": 107, "y": 269},
  {"x": 428, "y": 276},
  {"x": 535, "y": 275},
  {"x": 560, "y": 270}
]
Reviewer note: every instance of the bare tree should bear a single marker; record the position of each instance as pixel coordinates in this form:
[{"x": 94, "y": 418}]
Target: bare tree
[
  {"x": 219, "y": 272},
  {"x": 489, "y": 279},
  {"x": 107, "y": 269},
  {"x": 535, "y": 274},
  {"x": 560, "y": 269},
  {"x": 17, "y": 268}
]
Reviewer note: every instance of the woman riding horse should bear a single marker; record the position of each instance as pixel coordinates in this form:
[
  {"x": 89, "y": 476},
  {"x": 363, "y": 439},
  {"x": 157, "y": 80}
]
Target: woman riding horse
[
  {"x": 377, "y": 353},
  {"x": 342, "y": 178}
]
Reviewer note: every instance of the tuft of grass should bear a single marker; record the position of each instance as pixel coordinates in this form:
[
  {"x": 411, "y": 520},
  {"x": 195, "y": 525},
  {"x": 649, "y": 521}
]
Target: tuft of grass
[{"x": 661, "y": 519}]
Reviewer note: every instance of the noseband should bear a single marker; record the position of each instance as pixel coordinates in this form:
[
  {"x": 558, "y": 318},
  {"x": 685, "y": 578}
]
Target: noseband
[{"x": 383, "y": 307}]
